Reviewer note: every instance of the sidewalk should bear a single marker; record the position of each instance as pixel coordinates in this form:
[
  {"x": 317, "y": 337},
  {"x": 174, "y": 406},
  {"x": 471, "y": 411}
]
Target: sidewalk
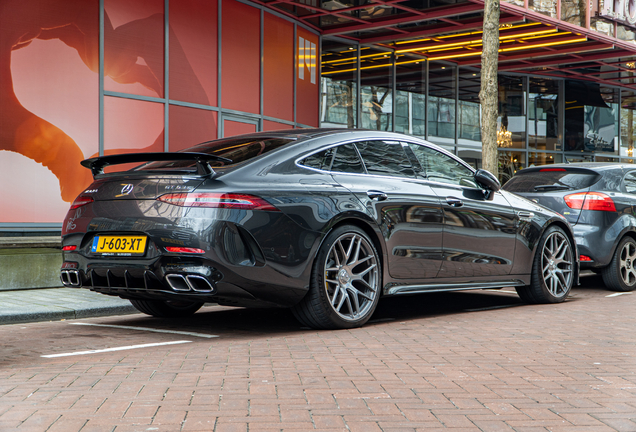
[{"x": 53, "y": 304}]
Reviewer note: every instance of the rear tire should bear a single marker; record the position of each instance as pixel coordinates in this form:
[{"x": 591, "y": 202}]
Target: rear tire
[
  {"x": 552, "y": 269},
  {"x": 620, "y": 274},
  {"x": 345, "y": 282},
  {"x": 166, "y": 308}
]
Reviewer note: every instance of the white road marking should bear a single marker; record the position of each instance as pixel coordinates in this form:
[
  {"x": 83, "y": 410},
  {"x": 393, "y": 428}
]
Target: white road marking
[
  {"x": 129, "y": 347},
  {"x": 203, "y": 335},
  {"x": 617, "y": 294}
]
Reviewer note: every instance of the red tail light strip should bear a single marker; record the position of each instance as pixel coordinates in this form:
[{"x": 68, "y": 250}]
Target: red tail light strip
[
  {"x": 590, "y": 201},
  {"x": 218, "y": 200},
  {"x": 81, "y": 201},
  {"x": 185, "y": 250}
]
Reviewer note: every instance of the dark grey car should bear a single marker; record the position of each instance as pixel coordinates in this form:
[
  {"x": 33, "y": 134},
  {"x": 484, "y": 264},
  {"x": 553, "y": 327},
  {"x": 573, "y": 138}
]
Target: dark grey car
[{"x": 599, "y": 201}]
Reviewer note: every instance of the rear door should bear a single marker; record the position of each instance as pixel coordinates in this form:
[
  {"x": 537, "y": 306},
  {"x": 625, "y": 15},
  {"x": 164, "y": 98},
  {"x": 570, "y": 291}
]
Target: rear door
[{"x": 407, "y": 212}]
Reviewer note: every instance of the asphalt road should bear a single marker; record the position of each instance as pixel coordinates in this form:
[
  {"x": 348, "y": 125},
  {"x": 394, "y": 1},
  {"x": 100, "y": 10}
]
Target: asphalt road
[{"x": 464, "y": 361}]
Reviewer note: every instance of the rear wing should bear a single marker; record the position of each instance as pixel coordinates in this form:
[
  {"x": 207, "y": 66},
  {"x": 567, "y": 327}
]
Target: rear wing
[{"x": 97, "y": 164}]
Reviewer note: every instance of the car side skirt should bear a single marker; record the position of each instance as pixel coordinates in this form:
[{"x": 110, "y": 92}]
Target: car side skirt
[{"x": 438, "y": 287}]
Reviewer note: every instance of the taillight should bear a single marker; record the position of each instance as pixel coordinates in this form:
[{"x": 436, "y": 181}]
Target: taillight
[
  {"x": 590, "y": 201},
  {"x": 584, "y": 258},
  {"x": 184, "y": 250},
  {"x": 81, "y": 201},
  {"x": 218, "y": 200},
  {"x": 69, "y": 248}
]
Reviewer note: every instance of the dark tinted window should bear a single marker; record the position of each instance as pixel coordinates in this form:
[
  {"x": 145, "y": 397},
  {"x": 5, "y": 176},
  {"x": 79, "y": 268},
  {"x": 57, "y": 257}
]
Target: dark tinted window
[
  {"x": 320, "y": 160},
  {"x": 237, "y": 150},
  {"x": 630, "y": 182},
  {"x": 439, "y": 167},
  {"x": 385, "y": 158},
  {"x": 551, "y": 180},
  {"x": 347, "y": 160}
]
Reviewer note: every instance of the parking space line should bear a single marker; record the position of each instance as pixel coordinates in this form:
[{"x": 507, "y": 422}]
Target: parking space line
[
  {"x": 617, "y": 294},
  {"x": 129, "y": 347},
  {"x": 202, "y": 335}
]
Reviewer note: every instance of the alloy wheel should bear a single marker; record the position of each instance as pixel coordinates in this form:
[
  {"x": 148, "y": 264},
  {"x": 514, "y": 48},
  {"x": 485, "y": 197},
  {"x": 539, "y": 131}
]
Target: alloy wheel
[
  {"x": 557, "y": 264},
  {"x": 351, "y": 276},
  {"x": 626, "y": 264}
]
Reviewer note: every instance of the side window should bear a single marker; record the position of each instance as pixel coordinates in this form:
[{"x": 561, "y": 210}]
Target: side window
[
  {"x": 347, "y": 160},
  {"x": 320, "y": 160},
  {"x": 385, "y": 158},
  {"x": 630, "y": 182},
  {"x": 439, "y": 167}
]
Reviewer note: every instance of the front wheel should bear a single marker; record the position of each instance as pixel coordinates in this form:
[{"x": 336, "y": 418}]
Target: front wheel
[
  {"x": 345, "y": 283},
  {"x": 552, "y": 269},
  {"x": 166, "y": 308},
  {"x": 620, "y": 274}
]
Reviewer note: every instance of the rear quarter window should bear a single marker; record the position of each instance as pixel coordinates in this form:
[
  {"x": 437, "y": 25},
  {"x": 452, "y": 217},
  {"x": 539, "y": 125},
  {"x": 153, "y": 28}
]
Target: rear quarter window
[{"x": 551, "y": 181}]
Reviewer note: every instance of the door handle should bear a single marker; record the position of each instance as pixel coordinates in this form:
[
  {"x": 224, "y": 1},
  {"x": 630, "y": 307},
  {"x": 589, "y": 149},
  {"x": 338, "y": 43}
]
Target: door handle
[
  {"x": 377, "y": 195},
  {"x": 525, "y": 215},
  {"x": 454, "y": 202}
]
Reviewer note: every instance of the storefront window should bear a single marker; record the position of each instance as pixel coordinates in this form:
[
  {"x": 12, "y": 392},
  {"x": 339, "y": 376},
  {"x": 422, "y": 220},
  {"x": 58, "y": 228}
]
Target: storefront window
[
  {"x": 628, "y": 121},
  {"x": 441, "y": 104},
  {"x": 376, "y": 98},
  {"x": 573, "y": 11},
  {"x": 590, "y": 117},
  {"x": 509, "y": 163},
  {"x": 543, "y": 114},
  {"x": 574, "y": 158},
  {"x": 625, "y": 33},
  {"x": 410, "y": 103},
  {"x": 469, "y": 106},
  {"x": 606, "y": 159},
  {"x": 511, "y": 123},
  {"x": 540, "y": 158},
  {"x": 339, "y": 89}
]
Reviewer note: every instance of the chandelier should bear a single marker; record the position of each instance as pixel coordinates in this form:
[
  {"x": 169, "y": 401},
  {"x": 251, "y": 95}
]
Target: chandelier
[{"x": 504, "y": 137}]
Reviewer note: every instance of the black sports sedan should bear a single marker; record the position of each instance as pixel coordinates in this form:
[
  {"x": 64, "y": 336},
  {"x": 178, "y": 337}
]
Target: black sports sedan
[
  {"x": 599, "y": 201},
  {"x": 325, "y": 222}
]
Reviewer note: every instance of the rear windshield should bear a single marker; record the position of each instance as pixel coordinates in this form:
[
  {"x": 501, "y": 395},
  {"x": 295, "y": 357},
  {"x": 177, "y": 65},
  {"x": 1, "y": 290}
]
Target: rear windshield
[
  {"x": 236, "y": 150},
  {"x": 551, "y": 180}
]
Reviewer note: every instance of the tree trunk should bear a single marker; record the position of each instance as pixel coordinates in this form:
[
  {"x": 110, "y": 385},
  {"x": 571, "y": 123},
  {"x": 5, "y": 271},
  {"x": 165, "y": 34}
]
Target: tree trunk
[{"x": 489, "y": 86}]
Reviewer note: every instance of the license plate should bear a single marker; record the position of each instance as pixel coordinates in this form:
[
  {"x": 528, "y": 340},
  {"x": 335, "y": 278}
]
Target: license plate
[{"x": 119, "y": 245}]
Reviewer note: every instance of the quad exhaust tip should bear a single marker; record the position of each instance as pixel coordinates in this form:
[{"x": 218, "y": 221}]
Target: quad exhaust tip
[
  {"x": 70, "y": 278},
  {"x": 186, "y": 283}
]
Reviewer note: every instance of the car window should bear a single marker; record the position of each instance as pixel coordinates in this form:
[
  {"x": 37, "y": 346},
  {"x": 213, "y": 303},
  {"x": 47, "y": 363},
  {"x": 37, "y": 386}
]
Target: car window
[
  {"x": 347, "y": 160},
  {"x": 237, "y": 150},
  {"x": 385, "y": 158},
  {"x": 630, "y": 182},
  {"x": 437, "y": 166},
  {"x": 321, "y": 160},
  {"x": 551, "y": 180}
]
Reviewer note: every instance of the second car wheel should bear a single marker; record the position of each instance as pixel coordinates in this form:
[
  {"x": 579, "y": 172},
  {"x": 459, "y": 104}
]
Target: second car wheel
[
  {"x": 345, "y": 284},
  {"x": 620, "y": 274},
  {"x": 552, "y": 269}
]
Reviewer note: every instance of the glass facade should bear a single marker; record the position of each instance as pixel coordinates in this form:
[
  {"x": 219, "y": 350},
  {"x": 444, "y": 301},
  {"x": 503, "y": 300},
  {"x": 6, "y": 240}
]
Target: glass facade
[{"x": 541, "y": 120}]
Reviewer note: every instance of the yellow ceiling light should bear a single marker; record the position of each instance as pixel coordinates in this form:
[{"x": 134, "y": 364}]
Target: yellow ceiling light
[{"x": 547, "y": 44}]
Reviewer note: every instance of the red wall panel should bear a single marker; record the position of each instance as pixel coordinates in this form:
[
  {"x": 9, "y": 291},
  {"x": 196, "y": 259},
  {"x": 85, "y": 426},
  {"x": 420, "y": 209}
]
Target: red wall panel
[
  {"x": 190, "y": 126},
  {"x": 308, "y": 78},
  {"x": 240, "y": 65},
  {"x": 133, "y": 46},
  {"x": 278, "y": 68},
  {"x": 193, "y": 51},
  {"x": 232, "y": 128},
  {"x": 272, "y": 126}
]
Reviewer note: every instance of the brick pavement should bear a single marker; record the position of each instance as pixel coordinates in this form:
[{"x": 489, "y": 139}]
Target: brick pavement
[{"x": 472, "y": 361}]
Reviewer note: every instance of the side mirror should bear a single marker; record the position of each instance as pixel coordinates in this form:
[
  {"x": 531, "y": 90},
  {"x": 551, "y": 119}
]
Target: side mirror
[{"x": 487, "y": 180}]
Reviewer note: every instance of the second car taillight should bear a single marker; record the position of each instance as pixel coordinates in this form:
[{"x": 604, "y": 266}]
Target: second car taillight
[
  {"x": 218, "y": 200},
  {"x": 590, "y": 201}
]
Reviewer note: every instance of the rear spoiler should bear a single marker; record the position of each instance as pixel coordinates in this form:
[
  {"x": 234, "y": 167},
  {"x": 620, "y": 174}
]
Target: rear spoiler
[{"x": 97, "y": 164}]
